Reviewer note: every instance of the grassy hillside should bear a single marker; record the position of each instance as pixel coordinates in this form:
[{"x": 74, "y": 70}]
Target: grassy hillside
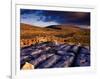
[{"x": 60, "y": 33}]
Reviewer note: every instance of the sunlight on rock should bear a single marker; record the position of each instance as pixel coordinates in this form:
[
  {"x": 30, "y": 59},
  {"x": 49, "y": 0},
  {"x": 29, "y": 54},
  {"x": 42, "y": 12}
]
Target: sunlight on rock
[{"x": 28, "y": 66}]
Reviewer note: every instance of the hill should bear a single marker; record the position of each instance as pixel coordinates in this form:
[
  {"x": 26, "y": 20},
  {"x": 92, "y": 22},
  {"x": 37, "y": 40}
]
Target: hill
[{"x": 72, "y": 34}]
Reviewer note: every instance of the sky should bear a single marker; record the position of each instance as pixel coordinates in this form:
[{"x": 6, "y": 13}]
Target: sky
[{"x": 44, "y": 18}]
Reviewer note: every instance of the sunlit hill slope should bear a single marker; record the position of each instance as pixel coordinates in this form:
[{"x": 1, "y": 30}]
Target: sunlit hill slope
[{"x": 68, "y": 34}]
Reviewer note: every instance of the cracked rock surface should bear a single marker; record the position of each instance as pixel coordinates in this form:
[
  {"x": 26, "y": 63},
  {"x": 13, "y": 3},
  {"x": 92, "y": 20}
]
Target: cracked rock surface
[{"x": 51, "y": 55}]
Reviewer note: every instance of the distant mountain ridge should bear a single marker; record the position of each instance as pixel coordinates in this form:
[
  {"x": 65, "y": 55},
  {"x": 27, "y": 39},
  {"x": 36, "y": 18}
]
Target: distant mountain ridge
[
  {"x": 68, "y": 26},
  {"x": 59, "y": 27}
]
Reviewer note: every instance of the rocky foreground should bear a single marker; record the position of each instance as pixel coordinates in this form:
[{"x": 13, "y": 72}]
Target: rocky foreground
[{"x": 51, "y": 55}]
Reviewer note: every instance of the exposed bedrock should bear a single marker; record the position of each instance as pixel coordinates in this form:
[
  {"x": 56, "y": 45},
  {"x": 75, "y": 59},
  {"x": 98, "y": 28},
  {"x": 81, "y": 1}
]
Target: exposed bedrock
[{"x": 51, "y": 55}]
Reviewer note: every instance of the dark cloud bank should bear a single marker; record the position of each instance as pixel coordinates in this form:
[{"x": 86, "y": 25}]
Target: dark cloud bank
[{"x": 61, "y": 17}]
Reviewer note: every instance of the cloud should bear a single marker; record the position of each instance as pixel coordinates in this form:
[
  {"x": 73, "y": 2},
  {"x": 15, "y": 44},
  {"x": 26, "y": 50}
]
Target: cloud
[{"x": 60, "y": 17}]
